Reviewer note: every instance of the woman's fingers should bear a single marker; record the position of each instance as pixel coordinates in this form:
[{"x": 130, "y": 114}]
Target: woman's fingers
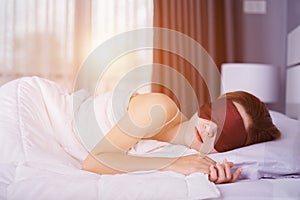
[
  {"x": 231, "y": 177},
  {"x": 227, "y": 167},
  {"x": 218, "y": 173},
  {"x": 236, "y": 174},
  {"x": 221, "y": 173},
  {"x": 213, "y": 175}
]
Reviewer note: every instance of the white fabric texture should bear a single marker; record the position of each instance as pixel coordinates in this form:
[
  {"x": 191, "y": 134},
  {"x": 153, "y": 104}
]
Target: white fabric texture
[{"x": 41, "y": 153}]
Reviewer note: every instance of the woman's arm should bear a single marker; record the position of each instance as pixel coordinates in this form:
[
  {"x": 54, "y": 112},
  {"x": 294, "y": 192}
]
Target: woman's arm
[
  {"x": 110, "y": 157},
  {"x": 146, "y": 117},
  {"x": 116, "y": 163}
]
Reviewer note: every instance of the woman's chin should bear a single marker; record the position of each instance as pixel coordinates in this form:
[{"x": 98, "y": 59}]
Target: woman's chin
[{"x": 213, "y": 151}]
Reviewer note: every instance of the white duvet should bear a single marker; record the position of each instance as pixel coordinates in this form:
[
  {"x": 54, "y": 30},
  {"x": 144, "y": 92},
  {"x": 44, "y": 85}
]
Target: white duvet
[{"x": 41, "y": 153}]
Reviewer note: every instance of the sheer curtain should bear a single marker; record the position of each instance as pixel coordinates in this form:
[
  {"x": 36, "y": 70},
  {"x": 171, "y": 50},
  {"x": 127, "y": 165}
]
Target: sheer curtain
[
  {"x": 37, "y": 38},
  {"x": 52, "y": 38},
  {"x": 113, "y": 17}
]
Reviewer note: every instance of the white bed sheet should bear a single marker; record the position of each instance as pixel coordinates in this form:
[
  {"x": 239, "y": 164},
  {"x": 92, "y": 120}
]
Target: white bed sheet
[{"x": 263, "y": 189}]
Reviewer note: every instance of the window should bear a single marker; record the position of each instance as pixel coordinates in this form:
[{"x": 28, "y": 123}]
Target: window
[
  {"x": 111, "y": 17},
  {"x": 37, "y": 38},
  {"x": 50, "y": 38}
]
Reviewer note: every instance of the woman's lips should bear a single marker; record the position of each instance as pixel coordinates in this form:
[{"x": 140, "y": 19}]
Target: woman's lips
[{"x": 199, "y": 136}]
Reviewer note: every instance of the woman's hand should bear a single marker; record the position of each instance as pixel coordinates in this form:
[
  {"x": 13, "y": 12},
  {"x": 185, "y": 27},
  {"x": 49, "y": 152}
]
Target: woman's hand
[
  {"x": 218, "y": 173},
  {"x": 221, "y": 173},
  {"x": 190, "y": 164}
]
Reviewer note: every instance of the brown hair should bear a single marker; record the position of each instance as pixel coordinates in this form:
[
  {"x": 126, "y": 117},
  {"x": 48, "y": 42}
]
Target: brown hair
[{"x": 261, "y": 127}]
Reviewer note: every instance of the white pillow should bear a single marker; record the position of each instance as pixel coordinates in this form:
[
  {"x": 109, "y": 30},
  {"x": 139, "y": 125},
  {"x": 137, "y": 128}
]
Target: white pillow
[{"x": 279, "y": 158}]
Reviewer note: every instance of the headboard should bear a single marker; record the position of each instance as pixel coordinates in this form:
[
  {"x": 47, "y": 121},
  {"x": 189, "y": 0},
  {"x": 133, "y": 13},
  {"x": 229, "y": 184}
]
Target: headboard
[{"x": 293, "y": 74}]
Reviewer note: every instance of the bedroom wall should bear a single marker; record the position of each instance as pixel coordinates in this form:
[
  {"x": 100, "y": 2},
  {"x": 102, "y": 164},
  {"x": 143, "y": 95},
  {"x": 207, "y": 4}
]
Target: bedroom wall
[
  {"x": 293, "y": 14},
  {"x": 293, "y": 59},
  {"x": 261, "y": 38}
]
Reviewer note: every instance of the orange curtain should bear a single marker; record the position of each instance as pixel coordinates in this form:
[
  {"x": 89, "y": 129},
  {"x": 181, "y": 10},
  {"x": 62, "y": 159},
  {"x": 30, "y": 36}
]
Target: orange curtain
[{"x": 204, "y": 22}]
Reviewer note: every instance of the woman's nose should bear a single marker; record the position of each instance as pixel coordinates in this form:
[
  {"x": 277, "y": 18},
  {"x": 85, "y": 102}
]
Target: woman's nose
[
  {"x": 203, "y": 126},
  {"x": 207, "y": 130}
]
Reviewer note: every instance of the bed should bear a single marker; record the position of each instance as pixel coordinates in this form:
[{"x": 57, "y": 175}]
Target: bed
[{"x": 41, "y": 153}]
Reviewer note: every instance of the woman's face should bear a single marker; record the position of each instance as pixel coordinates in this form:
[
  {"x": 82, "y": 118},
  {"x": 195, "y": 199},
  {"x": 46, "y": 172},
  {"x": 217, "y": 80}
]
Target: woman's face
[{"x": 202, "y": 140}]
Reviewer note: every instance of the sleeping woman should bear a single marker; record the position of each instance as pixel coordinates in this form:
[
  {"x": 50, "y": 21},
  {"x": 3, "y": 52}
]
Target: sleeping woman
[
  {"x": 41, "y": 110},
  {"x": 234, "y": 120}
]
